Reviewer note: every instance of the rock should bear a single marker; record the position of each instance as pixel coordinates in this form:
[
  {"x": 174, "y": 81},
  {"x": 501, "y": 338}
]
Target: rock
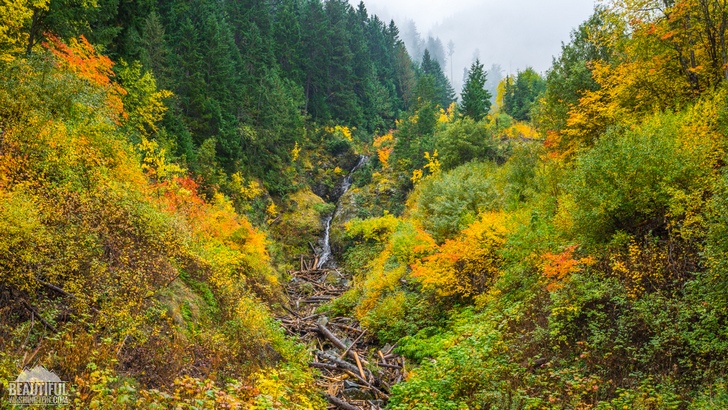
[
  {"x": 306, "y": 289},
  {"x": 332, "y": 278},
  {"x": 348, "y": 384},
  {"x": 357, "y": 394}
]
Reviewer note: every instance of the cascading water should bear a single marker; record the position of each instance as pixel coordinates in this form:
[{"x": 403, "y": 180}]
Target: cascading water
[{"x": 345, "y": 185}]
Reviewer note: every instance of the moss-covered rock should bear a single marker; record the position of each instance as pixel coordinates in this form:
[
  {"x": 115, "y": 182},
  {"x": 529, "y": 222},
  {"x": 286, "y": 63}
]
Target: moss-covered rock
[{"x": 301, "y": 222}]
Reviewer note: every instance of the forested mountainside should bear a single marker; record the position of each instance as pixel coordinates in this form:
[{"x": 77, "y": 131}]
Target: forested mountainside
[{"x": 166, "y": 168}]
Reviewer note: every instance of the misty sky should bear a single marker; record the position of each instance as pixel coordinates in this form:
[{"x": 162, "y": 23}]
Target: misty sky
[{"x": 512, "y": 33}]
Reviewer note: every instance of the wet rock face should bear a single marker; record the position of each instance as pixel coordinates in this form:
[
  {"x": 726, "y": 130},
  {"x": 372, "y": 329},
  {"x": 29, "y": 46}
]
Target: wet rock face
[
  {"x": 348, "y": 209},
  {"x": 331, "y": 189},
  {"x": 300, "y": 222},
  {"x": 326, "y": 259}
]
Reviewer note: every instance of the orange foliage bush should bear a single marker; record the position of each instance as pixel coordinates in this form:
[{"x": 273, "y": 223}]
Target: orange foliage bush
[
  {"x": 468, "y": 264},
  {"x": 81, "y": 58},
  {"x": 557, "y": 268}
]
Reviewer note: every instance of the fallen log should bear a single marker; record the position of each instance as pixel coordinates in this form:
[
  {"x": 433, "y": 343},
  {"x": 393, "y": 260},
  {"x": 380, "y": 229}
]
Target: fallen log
[
  {"x": 35, "y": 312},
  {"x": 358, "y": 365},
  {"x": 344, "y": 365},
  {"x": 290, "y": 311},
  {"x": 367, "y": 384},
  {"x": 326, "y": 366},
  {"x": 320, "y": 298},
  {"x": 340, "y": 403},
  {"x": 353, "y": 329},
  {"x": 336, "y": 342},
  {"x": 351, "y": 370}
]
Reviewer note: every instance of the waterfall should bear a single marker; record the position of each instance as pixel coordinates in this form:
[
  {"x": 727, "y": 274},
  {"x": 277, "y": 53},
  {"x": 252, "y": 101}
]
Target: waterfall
[{"x": 345, "y": 185}]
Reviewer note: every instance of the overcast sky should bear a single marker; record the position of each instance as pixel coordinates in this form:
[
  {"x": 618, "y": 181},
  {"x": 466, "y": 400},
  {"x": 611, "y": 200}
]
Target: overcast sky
[{"x": 513, "y": 33}]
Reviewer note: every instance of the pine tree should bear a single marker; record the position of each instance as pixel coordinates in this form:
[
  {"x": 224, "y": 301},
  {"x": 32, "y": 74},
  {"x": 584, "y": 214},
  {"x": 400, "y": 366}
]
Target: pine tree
[
  {"x": 287, "y": 38},
  {"x": 314, "y": 59},
  {"x": 444, "y": 93},
  {"x": 154, "y": 54},
  {"x": 476, "y": 99},
  {"x": 340, "y": 93},
  {"x": 520, "y": 94}
]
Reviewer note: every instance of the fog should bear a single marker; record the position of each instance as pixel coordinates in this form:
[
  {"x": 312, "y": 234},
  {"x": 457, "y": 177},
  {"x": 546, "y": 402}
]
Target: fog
[{"x": 514, "y": 34}]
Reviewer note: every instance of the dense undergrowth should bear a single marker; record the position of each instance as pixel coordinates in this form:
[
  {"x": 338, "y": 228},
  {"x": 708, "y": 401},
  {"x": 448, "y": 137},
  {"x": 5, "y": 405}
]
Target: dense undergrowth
[
  {"x": 581, "y": 269},
  {"x": 539, "y": 283},
  {"x": 567, "y": 250},
  {"x": 116, "y": 272}
]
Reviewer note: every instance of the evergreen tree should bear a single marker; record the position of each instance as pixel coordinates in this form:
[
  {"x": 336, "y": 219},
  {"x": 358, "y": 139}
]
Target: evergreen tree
[
  {"x": 154, "y": 53},
  {"x": 406, "y": 78},
  {"x": 364, "y": 74},
  {"x": 287, "y": 40},
  {"x": 436, "y": 49},
  {"x": 444, "y": 93},
  {"x": 314, "y": 61},
  {"x": 520, "y": 94},
  {"x": 413, "y": 41},
  {"x": 339, "y": 88},
  {"x": 475, "y": 98}
]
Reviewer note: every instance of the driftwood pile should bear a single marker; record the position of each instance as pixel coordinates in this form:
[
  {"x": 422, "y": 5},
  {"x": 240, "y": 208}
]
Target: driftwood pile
[{"x": 354, "y": 374}]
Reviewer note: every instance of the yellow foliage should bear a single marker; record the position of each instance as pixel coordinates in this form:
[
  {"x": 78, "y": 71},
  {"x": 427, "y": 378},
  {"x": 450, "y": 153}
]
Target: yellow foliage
[
  {"x": 433, "y": 167},
  {"x": 501, "y": 91},
  {"x": 433, "y": 164},
  {"x": 639, "y": 84},
  {"x": 382, "y": 140},
  {"x": 376, "y": 229},
  {"x": 247, "y": 191},
  {"x": 383, "y": 155},
  {"x": 442, "y": 117},
  {"x": 405, "y": 244},
  {"x": 521, "y": 130},
  {"x": 271, "y": 211},
  {"x": 79, "y": 210},
  {"x": 143, "y": 102},
  {"x": 465, "y": 266},
  {"x": 416, "y": 176},
  {"x": 15, "y": 16},
  {"x": 447, "y": 116},
  {"x": 384, "y": 146},
  {"x": 379, "y": 282},
  {"x": 295, "y": 152},
  {"x": 154, "y": 161},
  {"x": 642, "y": 268},
  {"x": 340, "y": 130}
]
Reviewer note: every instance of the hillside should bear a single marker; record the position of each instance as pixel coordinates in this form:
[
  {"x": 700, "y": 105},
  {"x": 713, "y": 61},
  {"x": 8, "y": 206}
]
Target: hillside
[{"x": 269, "y": 204}]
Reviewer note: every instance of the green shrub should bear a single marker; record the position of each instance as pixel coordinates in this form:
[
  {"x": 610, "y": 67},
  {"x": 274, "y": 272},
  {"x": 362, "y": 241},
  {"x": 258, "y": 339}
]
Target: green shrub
[
  {"x": 447, "y": 204},
  {"x": 466, "y": 140},
  {"x": 636, "y": 180}
]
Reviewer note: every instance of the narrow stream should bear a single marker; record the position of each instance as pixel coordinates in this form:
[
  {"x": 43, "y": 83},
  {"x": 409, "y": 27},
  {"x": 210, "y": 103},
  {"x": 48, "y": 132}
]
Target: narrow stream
[{"x": 345, "y": 185}]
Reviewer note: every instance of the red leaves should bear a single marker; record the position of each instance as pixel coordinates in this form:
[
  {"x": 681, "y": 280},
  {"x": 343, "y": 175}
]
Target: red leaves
[
  {"x": 559, "y": 267},
  {"x": 81, "y": 57}
]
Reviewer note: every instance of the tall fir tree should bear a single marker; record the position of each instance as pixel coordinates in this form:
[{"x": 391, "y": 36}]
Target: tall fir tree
[
  {"x": 521, "y": 94},
  {"x": 475, "y": 98},
  {"x": 314, "y": 59},
  {"x": 340, "y": 93},
  {"x": 444, "y": 93}
]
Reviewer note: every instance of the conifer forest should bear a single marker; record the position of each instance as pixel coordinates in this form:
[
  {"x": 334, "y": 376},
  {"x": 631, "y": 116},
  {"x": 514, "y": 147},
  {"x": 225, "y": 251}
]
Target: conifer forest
[{"x": 282, "y": 204}]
